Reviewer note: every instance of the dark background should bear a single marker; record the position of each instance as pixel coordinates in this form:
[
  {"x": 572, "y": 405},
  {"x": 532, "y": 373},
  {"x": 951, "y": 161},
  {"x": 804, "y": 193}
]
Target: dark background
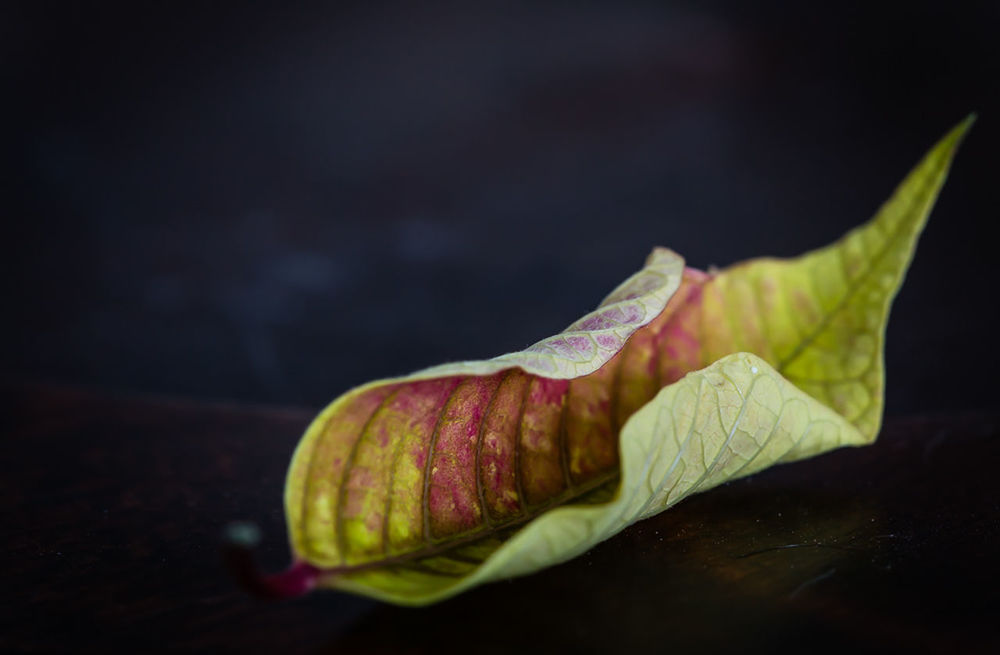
[{"x": 267, "y": 204}]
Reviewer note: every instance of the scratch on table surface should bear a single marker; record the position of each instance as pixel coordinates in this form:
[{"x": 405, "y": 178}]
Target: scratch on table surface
[
  {"x": 798, "y": 545},
  {"x": 932, "y": 444},
  {"x": 812, "y": 581}
]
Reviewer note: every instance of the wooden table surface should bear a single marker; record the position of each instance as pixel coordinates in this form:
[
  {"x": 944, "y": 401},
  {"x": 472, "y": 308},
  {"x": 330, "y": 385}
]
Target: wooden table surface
[{"x": 113, "y": 508}]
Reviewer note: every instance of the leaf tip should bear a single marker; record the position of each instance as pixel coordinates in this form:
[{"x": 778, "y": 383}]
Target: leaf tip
[{"x": 959, "y": 132}]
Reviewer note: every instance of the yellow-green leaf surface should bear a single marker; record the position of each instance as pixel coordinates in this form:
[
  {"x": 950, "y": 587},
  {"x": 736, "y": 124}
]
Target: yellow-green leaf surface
[
  {"x": 413, "y": 489},
  {"x": 820, "y": 319}
]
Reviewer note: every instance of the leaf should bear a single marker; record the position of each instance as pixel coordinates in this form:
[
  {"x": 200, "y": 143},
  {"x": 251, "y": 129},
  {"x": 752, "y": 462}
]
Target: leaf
[{"x": 413, "y": 489}]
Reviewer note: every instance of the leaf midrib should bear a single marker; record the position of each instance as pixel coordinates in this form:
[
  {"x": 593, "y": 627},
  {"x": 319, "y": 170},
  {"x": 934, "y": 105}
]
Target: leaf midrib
[
  {"x": 456, "y": 542},
  {"x": 854, "y": 286}
]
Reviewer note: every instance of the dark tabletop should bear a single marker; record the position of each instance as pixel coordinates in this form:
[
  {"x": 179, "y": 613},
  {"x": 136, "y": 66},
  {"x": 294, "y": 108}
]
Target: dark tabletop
[{"x": 113, "y": 508}]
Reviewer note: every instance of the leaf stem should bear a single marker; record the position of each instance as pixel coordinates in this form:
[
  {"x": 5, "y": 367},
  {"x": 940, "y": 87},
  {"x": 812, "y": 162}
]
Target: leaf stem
[{"x": 238, "y": 543}]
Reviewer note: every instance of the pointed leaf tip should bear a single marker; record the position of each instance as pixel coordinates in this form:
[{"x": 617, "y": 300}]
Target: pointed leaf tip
[
  {"x": 969, "y": 121},
  {"x": 957, "y": 134},
  {"x": 820, "y": 319}
]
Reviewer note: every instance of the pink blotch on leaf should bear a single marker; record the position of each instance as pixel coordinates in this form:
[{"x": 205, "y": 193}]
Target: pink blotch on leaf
[
  {"x": 477, "y": 418},
  {"x": 582, "y": 345},
  {"x": 677, "y": 336},
  {"x": 562, "y": 348},
  {"x": 547, "y": 391},
  {"x": 420, "y": 456},
  {"x": 608, "y": 341},
  {"x": 596, "y": 322},
  {"x": 359, "y": 481},
  {"x": 632, "y": 314},
  {"x": 373, "y": 521},
  {"x": 383, "y": 437}
]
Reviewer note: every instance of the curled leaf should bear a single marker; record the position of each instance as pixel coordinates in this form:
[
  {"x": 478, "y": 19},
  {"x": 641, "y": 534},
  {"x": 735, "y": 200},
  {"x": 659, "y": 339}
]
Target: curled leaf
[
  {"x": 395, "y": 468},
  {"x": 413, "y": 489}
]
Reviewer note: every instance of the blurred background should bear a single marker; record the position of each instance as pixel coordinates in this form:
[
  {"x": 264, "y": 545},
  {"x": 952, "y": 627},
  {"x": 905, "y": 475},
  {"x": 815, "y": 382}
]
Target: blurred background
[{"x": 271, "y": 204}]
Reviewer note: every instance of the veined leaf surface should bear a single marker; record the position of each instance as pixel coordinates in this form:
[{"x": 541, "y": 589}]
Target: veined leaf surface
[
  {"x": 820, "y": 319},
  {"x": 393, "y": 468},
  {"x": 416, "y": 488}
]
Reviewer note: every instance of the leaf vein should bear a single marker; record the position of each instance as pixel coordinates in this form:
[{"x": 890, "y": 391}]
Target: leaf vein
[
  {"x": 338, "y": 518},
  {"x": 856, "y": 284},
  {"x": 425, "y": 498},
  {"x": 480, "y": 437}
]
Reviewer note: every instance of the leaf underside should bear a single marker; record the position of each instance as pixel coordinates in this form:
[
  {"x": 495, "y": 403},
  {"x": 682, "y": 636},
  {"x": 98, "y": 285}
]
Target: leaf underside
[{"x": 413, "y": 489}]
